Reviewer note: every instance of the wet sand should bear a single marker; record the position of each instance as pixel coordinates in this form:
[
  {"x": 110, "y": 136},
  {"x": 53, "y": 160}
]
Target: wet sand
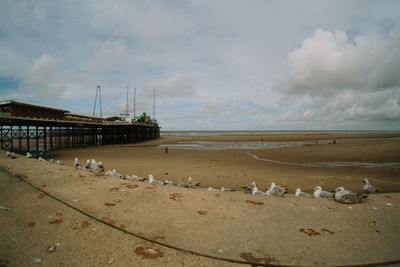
[{"x": 235, "y": 168}]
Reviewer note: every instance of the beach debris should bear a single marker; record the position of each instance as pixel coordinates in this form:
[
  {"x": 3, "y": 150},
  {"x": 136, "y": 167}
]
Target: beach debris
[
  {"x": 37, "y": 260},
  {"x": 373, "y": 223},
  {"x": 345, "y": 196},
  {"x": 77, "y": 165},
  {"x": 117, "y": 201},
  {"x": 367, "y": 187},
  {"x": 31, "y": 224},
  {"x": 41, "y": 196},
  {"x": 202, "y": 212},
  {"x": 254, "y": 202},
  {"x": 330, "y": 209},
  {"x": 114, "y": 189},
  {"x": 81, "y": 224},
  {"x": 374, "y": 208},
  {"x": 55, "y": 221},
  {"x": 181, "y": 183},
  {"x": 109, "y": 204},
  {"x": 248, "y": 189},
  {"x": 28, "y": 155},
  {"x": 4, "y": 208},
  {"x": 309, "y": 232},
  {"x": 220, "y": 251},
  {"x": 276, "y": 190},
  {"x": 175, "y": 196},
  {"x": 213, "y": 189},
  {"x": 110, "y": 261},
  {"x": 58, "y": 162},
  {"x": 226, "y": 189},
  {"x": 318, "y": 193},
  {"x": 257, "y": 192},
  {"x": 153, "y": 181},
  {"x": 248, "y": 256},
  {"x": 51, "y": 248},
  {"x": 389, "y": 204},
  {"x": 192, "y": 183},
  {"x": 148, "y": 252},
  {"x": 75, "y": 200},
  {"x": 326, "y": 231},
  {"x": 132, "y": 186},
  {"x": 299, "y": 193}
]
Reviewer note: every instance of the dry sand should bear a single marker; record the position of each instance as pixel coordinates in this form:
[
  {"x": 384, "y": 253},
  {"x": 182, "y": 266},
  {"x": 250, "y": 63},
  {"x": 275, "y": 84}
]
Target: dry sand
[
  {"x": 234, "y": 168},
  {"x": 93, "y": 218}
]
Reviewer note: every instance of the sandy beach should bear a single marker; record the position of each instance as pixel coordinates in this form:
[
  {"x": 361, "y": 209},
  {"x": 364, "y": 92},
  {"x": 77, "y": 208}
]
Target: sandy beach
[
  {"x": 236, "y": 167},
  {"x": 56, "y": 215}
]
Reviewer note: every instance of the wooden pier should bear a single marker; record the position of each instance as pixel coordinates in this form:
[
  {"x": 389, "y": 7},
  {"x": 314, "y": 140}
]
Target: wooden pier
[{"x": 34, "y": 135}]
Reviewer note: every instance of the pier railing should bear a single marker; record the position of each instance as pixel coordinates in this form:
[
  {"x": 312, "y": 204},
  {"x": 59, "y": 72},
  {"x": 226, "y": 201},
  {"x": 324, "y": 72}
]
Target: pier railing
[{"x": 34, "y": 135}]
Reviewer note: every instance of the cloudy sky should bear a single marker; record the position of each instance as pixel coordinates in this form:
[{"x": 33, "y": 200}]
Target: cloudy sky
[{"x": 216, "y": 65}]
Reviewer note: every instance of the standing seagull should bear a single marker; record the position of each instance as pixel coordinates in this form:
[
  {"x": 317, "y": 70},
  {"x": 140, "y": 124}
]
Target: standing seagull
[
  {"x": 192, "y": 183},
  {"x": 318, "y": 192},
  {"x": 28, "y": 155},
  {"x": 152, "y": 181},
  {"x": 299, "y": 193},
  {"x": 88, "y": 165},
  {"x": 76, "y": 163},
  {"x": 346, "y": 196},
  {"x": 276, "y": 190},
  {"x": 367, "y": 187}
]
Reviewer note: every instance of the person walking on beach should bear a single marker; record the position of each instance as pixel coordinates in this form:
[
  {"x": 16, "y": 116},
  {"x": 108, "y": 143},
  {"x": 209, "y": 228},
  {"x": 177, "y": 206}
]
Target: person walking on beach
[{"x": 166, "y": 150}]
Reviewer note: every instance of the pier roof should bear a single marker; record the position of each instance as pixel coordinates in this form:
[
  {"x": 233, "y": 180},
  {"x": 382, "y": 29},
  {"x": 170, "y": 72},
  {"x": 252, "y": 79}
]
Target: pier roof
[{"x": 26, "y": 103}]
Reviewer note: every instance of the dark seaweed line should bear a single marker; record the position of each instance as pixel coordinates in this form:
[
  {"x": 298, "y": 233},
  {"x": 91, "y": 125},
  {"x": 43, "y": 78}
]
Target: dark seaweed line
[{"x": 4, "y": 169}]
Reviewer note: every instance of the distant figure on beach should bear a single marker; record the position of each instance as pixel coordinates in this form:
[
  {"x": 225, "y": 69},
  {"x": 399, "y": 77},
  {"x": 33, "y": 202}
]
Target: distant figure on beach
[
  {"x": 334, "y": 142},
  {"x": 166, "y": 150},
  {"x": 262, "y": 139}
]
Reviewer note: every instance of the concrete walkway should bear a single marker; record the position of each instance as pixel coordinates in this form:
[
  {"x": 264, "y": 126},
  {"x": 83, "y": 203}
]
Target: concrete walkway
[{"x": 99, "y": 220}]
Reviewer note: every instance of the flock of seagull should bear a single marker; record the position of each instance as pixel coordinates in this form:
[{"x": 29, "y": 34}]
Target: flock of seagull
[{"x": 340, "y": 194}]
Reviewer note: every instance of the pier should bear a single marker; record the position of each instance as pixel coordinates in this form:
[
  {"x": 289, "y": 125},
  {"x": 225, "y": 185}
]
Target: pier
[{"x": 34, "y": 135}]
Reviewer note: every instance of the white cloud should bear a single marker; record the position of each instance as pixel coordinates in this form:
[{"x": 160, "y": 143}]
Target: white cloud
[
  {"x": 110, "y": 55},
  {"x": 329, "y": 61},
  {"x": 177, "y": 85},
  {"x": 43, "y": 80}
]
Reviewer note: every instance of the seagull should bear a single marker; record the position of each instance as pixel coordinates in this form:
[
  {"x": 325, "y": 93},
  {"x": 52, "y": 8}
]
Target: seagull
[
  {"x": 152, "y": 181},
  {"x": 116, "y": 174},
  {"x": 367, "y": 187},
  {"x": 249, "y": 188},
  {"x": 137, "y": 178},
  {"x": 226, "y": 189},
  {"x": 76, "y": 163},
  {"x": 301, "y": 194},
  {"x": 13, "y": 155},
  {"x": 192, "y": 183},
  {"x": 276, "y": 190},
  {"x": 97, "y": 167},
  {"x": 181, "y": 183},
  {"x": 59, "y": 162},
  {"x": 88, "y": 165},
  {"x": 346, "y": 196},
  {"x": 40, "y": 158},
  {"x": 213, "y": 189},
  {"x": 28, "y": 155},
  {"x": 167, "y": 182},
  {"x": 52, "y": 161},
  {"x": 8, "y": 154},
  {"x": 257, "y": 192},
  {"x": 318, "y": 192}
]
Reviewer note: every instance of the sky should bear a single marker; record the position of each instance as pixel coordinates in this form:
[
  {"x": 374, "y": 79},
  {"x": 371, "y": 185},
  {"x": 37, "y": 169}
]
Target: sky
[{"x": 215, "y": 65}]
